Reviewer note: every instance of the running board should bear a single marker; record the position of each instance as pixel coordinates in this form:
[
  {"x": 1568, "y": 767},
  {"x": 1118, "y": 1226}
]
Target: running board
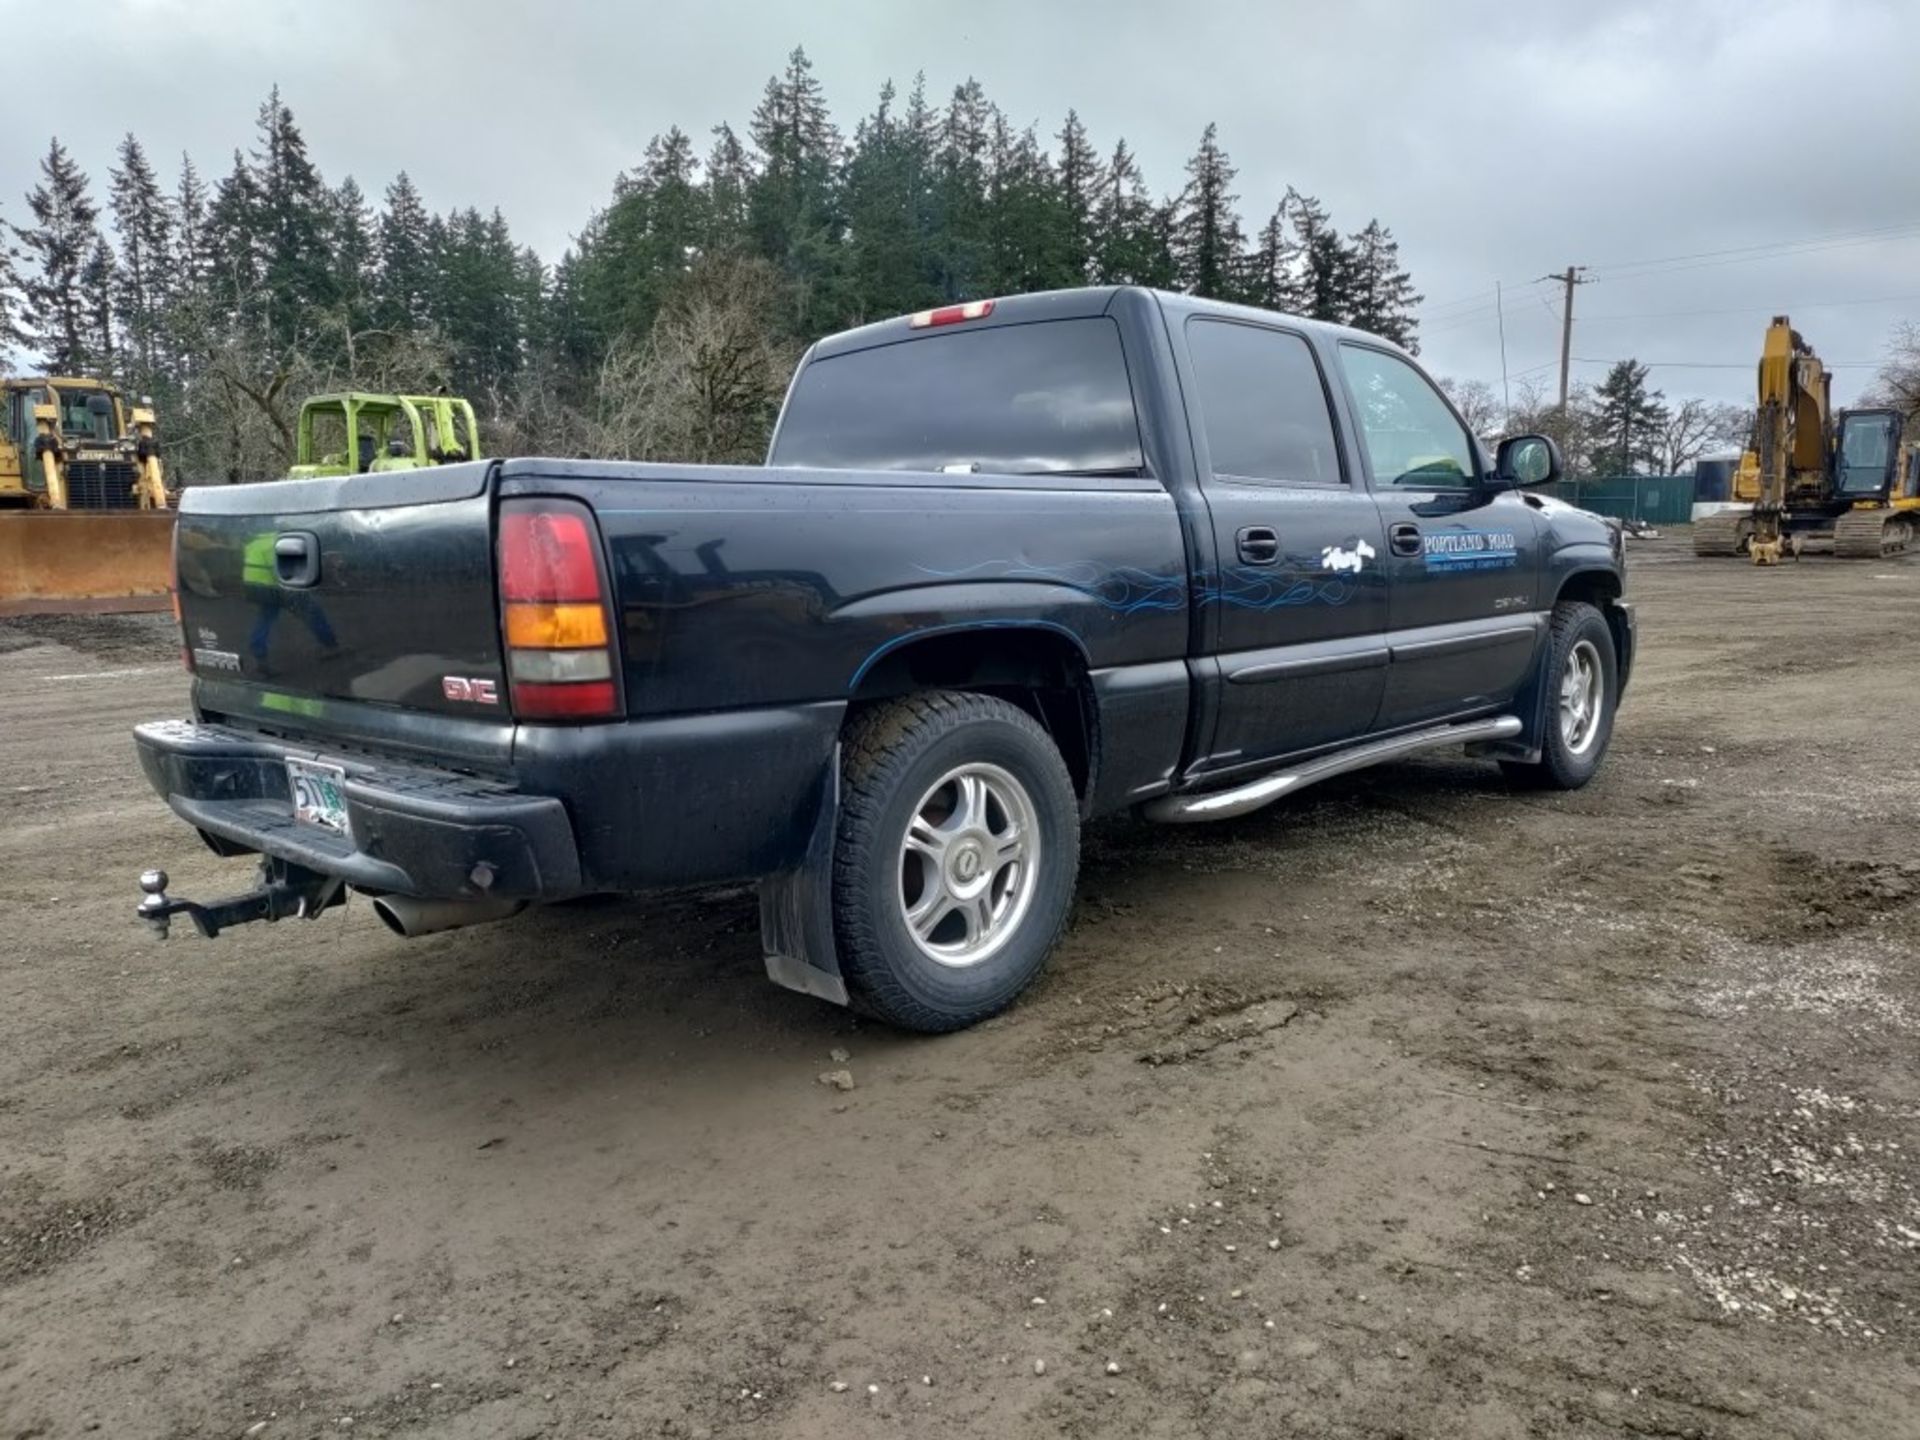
[{"x": 1243, "y": 799}]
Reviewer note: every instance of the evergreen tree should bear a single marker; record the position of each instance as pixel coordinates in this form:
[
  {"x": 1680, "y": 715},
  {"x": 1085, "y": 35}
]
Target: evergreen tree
[
  {"x": 963, "y": 248},
  {"x": 1626, "y": 421},
  {"x": 477, "y": 299},
  {"x": 188, "y": 259},
  {"x": 295, "y": 226},
  {"x": 234, "y": 245},
  {"x": 60, "y": 318},
  {"x": 1273, "y": 280},
  {"x": 792, "y": 209},
  {"x": 12, "y": 300},
  {"x": 146, "y": 241},
  {"x": 402, "y": 260},
  {"x": 185, "y": 285},
  {"x": 885, "y": 261},
  {"x": 354, "y": 268},
  {"x": 729, "y": 183},
  {"x": 920, "y": 148},
  {"x": 98, "y": 281},
  {"x": 1325, "y": 283},
  {"x": 1207, "y": 239},
  {"x": 1024, "y": 215},
  {"x": 676, "y": 218},
  {"x": 636, "y": 252},
  {"x": 1133, "y": 241},
  {"x": 1381, "y": 296},
  {"x": 1081, "y": 186},
  {"x": 573, "y": 339}
]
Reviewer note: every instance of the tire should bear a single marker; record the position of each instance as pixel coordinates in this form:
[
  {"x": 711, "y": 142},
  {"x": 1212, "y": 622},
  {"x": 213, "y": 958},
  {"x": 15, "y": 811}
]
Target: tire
[
  {"x": 967, "y": 772},
  {"x": 1571, "y": 751}
]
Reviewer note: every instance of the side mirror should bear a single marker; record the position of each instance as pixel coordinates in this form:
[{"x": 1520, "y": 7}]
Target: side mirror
[{"x": 1527, "y": 460}]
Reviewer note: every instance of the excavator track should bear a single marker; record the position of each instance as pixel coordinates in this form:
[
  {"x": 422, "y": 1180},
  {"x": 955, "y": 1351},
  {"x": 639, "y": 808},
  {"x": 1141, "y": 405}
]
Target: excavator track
[
  {"x": 1872, "y": 534},
  {"x": 1726, "y": 533}
]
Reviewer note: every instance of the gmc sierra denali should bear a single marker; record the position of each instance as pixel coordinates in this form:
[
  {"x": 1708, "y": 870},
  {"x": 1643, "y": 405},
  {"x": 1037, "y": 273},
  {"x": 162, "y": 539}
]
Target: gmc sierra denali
[{"x": 1011, "y": 565}]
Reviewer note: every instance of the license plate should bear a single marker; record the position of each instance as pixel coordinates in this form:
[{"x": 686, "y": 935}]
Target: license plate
[{"x": 319, "y": 794}]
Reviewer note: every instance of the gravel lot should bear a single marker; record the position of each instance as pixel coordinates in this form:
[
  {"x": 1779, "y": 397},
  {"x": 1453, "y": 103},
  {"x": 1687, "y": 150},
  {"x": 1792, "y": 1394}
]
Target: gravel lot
[{"x": 1416, "y": 1107}]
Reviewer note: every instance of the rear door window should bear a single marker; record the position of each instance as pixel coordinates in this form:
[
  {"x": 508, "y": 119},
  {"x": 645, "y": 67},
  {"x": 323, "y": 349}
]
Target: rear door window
[
  {"x": 1052, "y": 397},
  {"x": 1262, "y": 404}
]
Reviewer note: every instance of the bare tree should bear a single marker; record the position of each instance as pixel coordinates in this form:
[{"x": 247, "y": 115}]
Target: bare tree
[
  {"x": 1536, "y": 411},
  {"x": 1695, "y": 428},
  {"x": 1898, "y": 384},
  {"x": 706, "y": 382},
  {"x": 1477, "y": 404}
]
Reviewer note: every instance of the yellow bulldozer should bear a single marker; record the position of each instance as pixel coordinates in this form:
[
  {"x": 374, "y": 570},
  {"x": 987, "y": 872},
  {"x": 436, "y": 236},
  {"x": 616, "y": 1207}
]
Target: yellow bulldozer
[
  {"x": 85, "y": 522},
  {"x": 1811, "y": 476}
]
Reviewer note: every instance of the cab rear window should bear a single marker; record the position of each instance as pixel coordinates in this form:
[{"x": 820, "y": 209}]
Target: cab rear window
[{"x": 1050, "y": 397}]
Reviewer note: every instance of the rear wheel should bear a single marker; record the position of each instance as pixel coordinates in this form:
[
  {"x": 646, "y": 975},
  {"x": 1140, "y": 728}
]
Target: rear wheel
[
  {"x": 954, "y": 865},
  {"x": 1582, "y": 690}
]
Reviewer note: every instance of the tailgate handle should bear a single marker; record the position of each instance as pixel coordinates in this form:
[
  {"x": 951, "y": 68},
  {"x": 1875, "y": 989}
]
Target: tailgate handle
[{"x": 296, "y": 558}]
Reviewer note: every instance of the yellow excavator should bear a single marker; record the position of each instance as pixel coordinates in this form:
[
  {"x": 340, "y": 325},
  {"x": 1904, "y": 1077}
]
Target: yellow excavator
[
  {"x": 1850, "y": 479},
  {"x": 85, "y": 522}
]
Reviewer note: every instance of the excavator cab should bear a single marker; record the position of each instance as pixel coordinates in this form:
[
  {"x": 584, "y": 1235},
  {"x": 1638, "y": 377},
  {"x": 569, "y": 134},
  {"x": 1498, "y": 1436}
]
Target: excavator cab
[{"x": 1866, "y": 450}]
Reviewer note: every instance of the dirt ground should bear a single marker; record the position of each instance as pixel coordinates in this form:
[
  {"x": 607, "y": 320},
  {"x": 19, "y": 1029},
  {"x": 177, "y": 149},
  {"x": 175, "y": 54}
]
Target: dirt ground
[{"x": 1416, "y": 1107}]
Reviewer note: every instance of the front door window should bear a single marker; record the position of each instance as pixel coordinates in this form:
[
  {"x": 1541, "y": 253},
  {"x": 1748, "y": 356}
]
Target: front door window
[{"x": 1412, "y": 438}]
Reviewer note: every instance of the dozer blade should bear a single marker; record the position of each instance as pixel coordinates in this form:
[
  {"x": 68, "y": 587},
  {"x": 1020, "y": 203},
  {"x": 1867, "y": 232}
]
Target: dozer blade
[{"x": 74, "y": 562}]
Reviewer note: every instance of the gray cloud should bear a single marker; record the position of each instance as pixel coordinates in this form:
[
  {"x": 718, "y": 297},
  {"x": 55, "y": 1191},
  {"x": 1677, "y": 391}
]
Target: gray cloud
[{"x": 1498, "y": 140}]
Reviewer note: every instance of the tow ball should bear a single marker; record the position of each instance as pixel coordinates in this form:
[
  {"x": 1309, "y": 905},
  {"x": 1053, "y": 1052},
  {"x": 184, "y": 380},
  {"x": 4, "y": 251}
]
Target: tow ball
[{"x": 286, "y": 891}]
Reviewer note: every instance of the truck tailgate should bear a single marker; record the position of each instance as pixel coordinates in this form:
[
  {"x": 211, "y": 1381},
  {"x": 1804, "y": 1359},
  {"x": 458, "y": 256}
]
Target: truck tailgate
[{"x": 375, "y": 588}]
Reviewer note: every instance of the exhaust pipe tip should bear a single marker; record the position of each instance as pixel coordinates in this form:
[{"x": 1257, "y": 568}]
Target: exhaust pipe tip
[{"x": 410, "y": 918}]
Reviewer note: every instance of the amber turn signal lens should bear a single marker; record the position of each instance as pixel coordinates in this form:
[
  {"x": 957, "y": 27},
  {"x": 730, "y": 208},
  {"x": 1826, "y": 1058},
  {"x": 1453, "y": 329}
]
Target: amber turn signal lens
[{"x": 533, "y": 626}]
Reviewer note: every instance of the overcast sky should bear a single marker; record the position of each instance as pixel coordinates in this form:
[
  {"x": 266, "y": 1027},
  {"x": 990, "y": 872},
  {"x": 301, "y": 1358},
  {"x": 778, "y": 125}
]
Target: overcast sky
[{"x": 1498, "y": 140}]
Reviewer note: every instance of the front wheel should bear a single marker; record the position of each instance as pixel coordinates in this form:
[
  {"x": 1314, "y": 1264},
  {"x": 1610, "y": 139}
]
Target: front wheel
[
  {"x": 1582, "y": 690},
  {"x": 954, "y": 865}
]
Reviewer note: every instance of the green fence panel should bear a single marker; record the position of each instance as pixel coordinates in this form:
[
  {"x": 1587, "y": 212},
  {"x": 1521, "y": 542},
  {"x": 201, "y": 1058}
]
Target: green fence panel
[{"x": 1651, "y": 499}]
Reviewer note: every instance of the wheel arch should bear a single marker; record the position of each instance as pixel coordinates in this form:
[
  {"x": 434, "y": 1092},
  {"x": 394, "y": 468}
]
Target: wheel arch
[
  {"x": 1603, "y": 588},
  {"x": 1039, "y": 666}
]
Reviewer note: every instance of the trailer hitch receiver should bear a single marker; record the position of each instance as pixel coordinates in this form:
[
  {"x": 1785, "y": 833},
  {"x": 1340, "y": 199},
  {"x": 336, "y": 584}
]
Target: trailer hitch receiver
[{"x": 286, "y": 891}]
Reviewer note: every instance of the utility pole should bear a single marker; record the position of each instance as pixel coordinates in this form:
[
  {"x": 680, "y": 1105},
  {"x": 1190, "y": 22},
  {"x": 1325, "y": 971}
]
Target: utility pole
[
  {"x": 1506, "y": 396},
  {"x": 1570, "y": 278}
]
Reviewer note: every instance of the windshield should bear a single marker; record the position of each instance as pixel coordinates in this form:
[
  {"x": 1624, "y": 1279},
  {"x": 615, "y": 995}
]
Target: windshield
[
  {"x": 1866, "y": 445},
  {"x": 86, "y": 414},
  {"x": 1045, "y": 398}
]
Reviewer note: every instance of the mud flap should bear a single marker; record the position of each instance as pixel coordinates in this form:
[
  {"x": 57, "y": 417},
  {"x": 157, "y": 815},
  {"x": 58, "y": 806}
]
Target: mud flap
[
  {"x": 1531, "y": 706},
  {"x": 796, "y": 908}
]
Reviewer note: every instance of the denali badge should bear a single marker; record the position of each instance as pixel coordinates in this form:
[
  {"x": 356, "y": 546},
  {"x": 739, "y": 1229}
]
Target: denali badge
[
  {"x": 474, "y": 692},
  {"x": 205, "y": 657}
]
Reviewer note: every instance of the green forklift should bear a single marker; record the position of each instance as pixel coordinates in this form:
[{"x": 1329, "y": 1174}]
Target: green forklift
[{"x": 354, "y": 433}]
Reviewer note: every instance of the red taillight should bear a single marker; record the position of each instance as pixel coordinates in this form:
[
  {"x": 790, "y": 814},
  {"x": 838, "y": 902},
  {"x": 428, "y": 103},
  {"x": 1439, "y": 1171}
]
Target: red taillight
[
  {"x": 547, "y": 554},
  {"x": 951, "y": 314},
  {"x": 556, "y": 613}
]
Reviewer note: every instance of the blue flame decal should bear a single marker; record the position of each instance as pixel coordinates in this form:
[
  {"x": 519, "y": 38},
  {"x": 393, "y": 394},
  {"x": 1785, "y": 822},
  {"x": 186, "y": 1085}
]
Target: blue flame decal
[{"x": 1130, "y": 591}]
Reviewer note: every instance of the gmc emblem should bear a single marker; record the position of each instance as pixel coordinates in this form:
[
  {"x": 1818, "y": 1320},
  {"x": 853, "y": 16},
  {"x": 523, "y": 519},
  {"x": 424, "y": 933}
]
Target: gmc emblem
[{"x": 473, "y": 692}]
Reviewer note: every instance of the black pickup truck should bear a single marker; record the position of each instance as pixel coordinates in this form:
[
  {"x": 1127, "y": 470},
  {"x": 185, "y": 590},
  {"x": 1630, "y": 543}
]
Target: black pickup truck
[{"x": 1011, "y": 565}]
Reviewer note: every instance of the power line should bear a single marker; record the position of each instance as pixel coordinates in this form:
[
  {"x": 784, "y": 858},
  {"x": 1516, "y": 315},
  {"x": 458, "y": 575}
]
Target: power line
[
  {"x": 1718, "y": 364},
  {"x": 1789, "y": 307},
  {"x": 1480, "y": 300},
  {"x": 1743, "y": 254}
]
